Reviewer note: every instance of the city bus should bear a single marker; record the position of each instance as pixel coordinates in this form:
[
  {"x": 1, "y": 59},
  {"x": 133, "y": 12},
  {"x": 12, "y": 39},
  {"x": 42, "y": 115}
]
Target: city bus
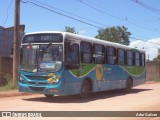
[{"x": 61, "y": 63}]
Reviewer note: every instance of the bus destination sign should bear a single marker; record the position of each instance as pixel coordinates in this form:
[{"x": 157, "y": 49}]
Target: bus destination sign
[{"x": 43, "y": 38}]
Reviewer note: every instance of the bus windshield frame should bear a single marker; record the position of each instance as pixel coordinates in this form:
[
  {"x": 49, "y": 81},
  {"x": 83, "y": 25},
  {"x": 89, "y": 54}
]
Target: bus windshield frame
[{"x": 42, "y": 52}]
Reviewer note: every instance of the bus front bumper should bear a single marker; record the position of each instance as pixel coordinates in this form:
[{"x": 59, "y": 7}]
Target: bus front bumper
[{"x": 51, "y": 90}]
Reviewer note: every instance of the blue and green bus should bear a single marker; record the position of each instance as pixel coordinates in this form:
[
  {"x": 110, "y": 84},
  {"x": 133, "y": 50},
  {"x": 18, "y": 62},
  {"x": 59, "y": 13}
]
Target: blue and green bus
[{"x": 61, "y": 63}]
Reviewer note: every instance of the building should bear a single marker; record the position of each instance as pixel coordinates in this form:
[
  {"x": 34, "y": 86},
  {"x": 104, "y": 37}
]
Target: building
[{"x": 6, "y": 50}]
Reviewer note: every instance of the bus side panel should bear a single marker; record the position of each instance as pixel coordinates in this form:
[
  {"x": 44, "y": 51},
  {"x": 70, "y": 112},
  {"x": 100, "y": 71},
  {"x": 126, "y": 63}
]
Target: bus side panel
[
  {"x": 139, "y": 80},
  {"x": 136, "y": 73},
  {"x": 104, "y": 77},
  {"x": 72, "y": 84},
  {"x": 115, "y": 77}
]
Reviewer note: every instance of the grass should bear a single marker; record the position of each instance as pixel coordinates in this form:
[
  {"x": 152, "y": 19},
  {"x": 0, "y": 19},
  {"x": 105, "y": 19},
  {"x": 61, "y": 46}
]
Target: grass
[{"x": 9, "y": 84}]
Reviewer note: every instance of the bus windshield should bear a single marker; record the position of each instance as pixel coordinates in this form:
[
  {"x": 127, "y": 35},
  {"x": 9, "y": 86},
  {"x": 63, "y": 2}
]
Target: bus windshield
[{"x": 41, "y": 58}]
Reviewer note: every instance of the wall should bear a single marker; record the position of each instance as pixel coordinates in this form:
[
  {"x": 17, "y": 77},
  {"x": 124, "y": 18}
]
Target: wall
[
  {"x": 6, "y": 50},
  {"x": 5, "y": 68},
  {"x": 6, "y": 39},
  {"x": 152, "y": 70}
]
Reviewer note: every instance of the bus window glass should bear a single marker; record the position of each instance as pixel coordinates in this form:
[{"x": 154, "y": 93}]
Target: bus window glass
[
  {"x": 98, "y": 54},
  {"x": 129, "y": 58},
  {"x": 86, "y": 52},
  {"x": 137, "y": 59},
  {"x": 120, "y": 56},
  {"x": 71, "y": 50},
  {"x": 75, "y": 52},
  {"x": 142, "y": 59},
  {"x": 111, "y": 55},
  {"x": 86, "y": 47},
  {"x": 41, "y": 58}
]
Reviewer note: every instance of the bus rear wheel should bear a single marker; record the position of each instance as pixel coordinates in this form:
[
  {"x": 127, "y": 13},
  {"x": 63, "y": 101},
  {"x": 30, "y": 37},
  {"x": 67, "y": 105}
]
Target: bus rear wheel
[
  {"x": 48, "y": 96},
  {"x": 86, "y": 89},
  {"x": 129, "y": 85}
]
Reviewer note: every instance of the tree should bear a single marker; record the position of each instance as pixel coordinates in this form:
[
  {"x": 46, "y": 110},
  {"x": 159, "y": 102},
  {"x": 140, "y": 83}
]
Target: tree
[
  {"x": 70, "y": 29},
  {"x": 114, "y": 34}
]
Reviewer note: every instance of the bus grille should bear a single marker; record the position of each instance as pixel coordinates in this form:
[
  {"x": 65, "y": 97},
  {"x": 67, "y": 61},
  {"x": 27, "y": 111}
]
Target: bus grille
[
  {"x": 35, "y": 83},
  {"x": 37, "y": 88},
  {"x": 37, "y": 77}
]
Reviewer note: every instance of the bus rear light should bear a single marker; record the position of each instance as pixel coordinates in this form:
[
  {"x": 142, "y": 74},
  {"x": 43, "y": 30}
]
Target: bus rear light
[{"x": 53, "y": 90}]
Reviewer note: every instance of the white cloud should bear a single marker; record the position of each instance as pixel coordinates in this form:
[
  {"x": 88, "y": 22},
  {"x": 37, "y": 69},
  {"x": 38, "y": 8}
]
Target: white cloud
[
  {"x": 149, "y": 47},
  {"x": 81, "y": 32}
]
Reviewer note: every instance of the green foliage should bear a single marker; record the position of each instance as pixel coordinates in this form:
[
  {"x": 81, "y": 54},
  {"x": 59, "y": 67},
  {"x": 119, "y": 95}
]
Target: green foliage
[
  {"x": 114, "y": 34},
  {"x": 70, "y": 29},
  {"x": 9, "y": 83}
]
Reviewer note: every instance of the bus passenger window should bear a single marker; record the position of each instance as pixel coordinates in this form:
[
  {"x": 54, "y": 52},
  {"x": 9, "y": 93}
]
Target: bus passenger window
[
  {"x": 86, "y": 52},
  {"x": 111, "y": 55},
  {"x": 129, "y": 58},
  {"x": 142, "y": 59},
  {"x": 121, "y": 55},
  {"x": 98, "y": 54},
  {"x": 137, "y": 59},
  {"x": 71, "y": 55}
]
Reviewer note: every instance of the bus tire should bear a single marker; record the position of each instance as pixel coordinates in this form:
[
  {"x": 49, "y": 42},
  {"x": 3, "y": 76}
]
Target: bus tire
[
  {"x": 129, "y": 85},
  {"x": 86, "y": 89},
  {"x": 48, "y": 96}
]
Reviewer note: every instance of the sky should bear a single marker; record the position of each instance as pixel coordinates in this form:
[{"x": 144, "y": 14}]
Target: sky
[{"x": 141, "y": 17}]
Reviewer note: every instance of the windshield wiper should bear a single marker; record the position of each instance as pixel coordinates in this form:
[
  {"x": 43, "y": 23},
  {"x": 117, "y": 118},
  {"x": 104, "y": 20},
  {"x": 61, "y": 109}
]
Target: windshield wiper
[
  {"x": 37, "y": 60},
  {"x": 39, "y": 54}
]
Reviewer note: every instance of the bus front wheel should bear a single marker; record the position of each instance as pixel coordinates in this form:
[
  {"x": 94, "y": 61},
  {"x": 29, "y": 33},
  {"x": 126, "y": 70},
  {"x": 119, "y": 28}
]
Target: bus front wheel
[{"x": 86, "y": 89}]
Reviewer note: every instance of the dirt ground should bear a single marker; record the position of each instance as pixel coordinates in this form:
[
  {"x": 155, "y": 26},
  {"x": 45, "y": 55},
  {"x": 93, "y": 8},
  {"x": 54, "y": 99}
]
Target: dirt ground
[{"x": 145, "y": 97}]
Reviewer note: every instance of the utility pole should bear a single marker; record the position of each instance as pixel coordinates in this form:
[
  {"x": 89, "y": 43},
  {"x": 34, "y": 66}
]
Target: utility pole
[{"x": 16, "y": 42}]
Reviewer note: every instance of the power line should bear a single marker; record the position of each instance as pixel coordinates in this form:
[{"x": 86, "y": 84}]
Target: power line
[
  {"x": 70, "y": 13},
  {"x": 7, "y": 12},
  {"x": 60, "y": 13},
  {"x": 91, "y": 6},
  {"x": 147, "y": 7},
  {"x": 121, "y": 16},
  {"x": 43, "y": 4},
  {"x": 117, "y": 17}
]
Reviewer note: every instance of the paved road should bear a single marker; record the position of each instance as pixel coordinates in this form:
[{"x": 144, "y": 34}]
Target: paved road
[{"x": 145, "y": 97}]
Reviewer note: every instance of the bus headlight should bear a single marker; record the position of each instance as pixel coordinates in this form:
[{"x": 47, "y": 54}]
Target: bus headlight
[
  {"x": 22, "y": 80},
  {"x": 57, "y": 78},
  {"x": 54, "y": 79}
]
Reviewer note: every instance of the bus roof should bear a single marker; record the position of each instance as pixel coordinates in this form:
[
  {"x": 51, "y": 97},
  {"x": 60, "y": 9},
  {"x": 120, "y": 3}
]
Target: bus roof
[{"x": 88, "y": 39}]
